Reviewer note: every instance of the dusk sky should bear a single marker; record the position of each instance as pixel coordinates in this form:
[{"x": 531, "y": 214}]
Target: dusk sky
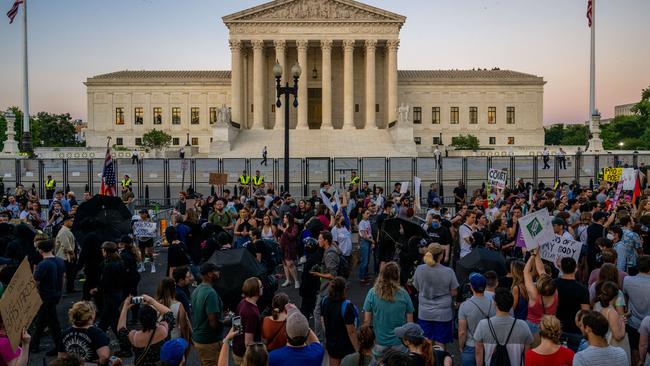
[{"x": 71, "y": 40}]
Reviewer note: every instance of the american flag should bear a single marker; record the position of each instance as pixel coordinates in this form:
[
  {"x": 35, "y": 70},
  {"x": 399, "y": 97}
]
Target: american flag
[
  {"x": 590, "y": 12},
  {"x": 109, "y": 182},
  {"x": 14, "y": 10}
]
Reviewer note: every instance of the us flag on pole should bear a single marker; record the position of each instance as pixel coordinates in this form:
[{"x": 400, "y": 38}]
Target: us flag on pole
[
  {"x": 109, "y": 181},
  {"x": 14, "y": 10},
  {"x": 590, "y": 11}
]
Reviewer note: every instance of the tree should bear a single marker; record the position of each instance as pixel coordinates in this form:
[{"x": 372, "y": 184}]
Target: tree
[
  {"x": 575, "y": 135},
  {"x": 48, "y": 130},
  {"x": 553, "y": 135},
  {"x": 469, "y": 142},
  {"x": 156, "y": 140}
]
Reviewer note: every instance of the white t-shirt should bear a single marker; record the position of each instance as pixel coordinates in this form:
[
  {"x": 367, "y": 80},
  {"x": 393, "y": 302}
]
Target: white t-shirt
[
  {"x": 343, "y": 239},
  {"x": 364, "y": 225},
  {"x": 465, "y": 235}
]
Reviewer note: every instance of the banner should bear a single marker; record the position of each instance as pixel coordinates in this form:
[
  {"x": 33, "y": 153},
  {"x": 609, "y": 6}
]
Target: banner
[
  {"x": 536, "y": 228},
  {"x": 612, "y": 175},
  {"x": 497, "y": 178},
  {"x": 19, "y": 304},
  {"x": 218, "y": 179},
  {"x": 145, "y": 229},
  {"x": 560, "y": 248},
  {"x": 628, "y": 177}
]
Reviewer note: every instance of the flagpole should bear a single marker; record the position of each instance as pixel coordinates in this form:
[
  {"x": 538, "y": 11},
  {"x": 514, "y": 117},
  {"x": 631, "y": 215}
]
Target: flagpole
[
  {"x": 592, "y": 64},
  {"x": 27, "y": 136}
]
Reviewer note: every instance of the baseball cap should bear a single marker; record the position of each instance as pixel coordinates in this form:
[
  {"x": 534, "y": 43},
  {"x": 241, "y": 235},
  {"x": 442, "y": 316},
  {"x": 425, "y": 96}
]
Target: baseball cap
[
  {"x": 208, "y": 267},
  {"x": 410, "y": 331},
  {"x": 297, "y": 325},
  {"x": 477, "y": 281},
  {"x": 173, "y": 351}
]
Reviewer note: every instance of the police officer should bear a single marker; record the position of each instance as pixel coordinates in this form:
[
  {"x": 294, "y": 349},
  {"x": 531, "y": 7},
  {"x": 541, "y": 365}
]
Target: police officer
[
  {"x": 50, "y": 187},
  {"x": 244, "y": 182},
  {"x": 126, "y": 182},
  {"x": 258, "y": 180},
  {"x": 354, "y": 179}
]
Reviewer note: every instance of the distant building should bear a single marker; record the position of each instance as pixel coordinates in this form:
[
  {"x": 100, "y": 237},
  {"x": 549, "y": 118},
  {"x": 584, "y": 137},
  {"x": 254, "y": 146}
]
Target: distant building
[{"x": 624, "y": 110}]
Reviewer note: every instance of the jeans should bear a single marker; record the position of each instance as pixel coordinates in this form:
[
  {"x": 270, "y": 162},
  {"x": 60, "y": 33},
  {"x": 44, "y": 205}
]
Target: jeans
[
  {"x": 364, "y": 257},
  {"x": 47, "y": 317},
  {"x": 468, "y": 357},
  {"x": 318, "y": 326}
]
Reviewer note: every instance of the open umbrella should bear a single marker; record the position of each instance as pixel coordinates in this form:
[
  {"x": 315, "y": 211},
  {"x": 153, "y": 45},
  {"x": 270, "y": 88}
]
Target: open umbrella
[
  {"x": 105, "y": 216},
  {"x": 480, "y": 260},
  {"x": 236, "y": 266}
]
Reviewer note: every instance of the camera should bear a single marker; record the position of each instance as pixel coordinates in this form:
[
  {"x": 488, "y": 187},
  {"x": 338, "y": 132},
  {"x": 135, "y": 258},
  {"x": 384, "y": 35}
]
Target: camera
[{"x": 137, "y": 300}]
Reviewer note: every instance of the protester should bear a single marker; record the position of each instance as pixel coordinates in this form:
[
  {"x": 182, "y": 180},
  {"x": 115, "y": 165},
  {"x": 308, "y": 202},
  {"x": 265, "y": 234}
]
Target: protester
[
  {"x": 594, "y": 328},
  {"x": 83, "y": 338},
  {"x": 616, "y": 336},
  {"x": 274, "y": 329},
  {"x": 289, "y": 235},
  {"x": 251, "y": 323},
  {"x": 166, "y": 295},
  {"x": 572, "y": 296},
  {"x": 420, "y": 349},
  {"x": 339, "y": 318},
  {"x": 542, "y": 295},
  {"x": 111, "y": 287},
  {"x": 66, "y": 249},
  {"x": 363, "y": 356},
  {"x": 207, "y": 316},
  {"x": 636, "y": 289},
  {"x": 549, "y": 352},
  {"x": 9, "y": 356},
  {"x": 303, "y": 347},
  {"x": 470, "y": 313}
]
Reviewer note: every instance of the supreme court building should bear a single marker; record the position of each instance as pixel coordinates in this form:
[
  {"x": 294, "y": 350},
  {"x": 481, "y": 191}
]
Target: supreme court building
[{"x": 352, "y": 98}]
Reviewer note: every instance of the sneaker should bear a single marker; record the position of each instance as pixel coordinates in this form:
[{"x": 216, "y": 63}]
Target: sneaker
[
  {"x": 286, "y": 283},
  {"x": 297, "y": 284},
  {"x": 153, "y": 268},
  {"x": 141, "y": 267}
]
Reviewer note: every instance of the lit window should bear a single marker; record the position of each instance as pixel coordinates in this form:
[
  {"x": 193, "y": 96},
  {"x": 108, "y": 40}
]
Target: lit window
[
  {"x": 176, "y": 141},
  {"x": 492, "y": 115},
  {"x": 511, "y": 140},
  {"x": 510, "y": 115},
  {"x": 473, "y": 115},
  {"x": 418, "y": 140},
  {"x": 138, "y": 115},
  {"x": 176, "y": 115},
  {"x": 195, "y": 118},
  {"x": 417, "y": 115},
  {"x": 493, "y": 140},
  {"x": 435, "y": 115},
  {"x": 453, "y": 118},
  {"x": 157, "y": 116},
  {"x": 213, "y": 115},
  {"x": 119, "y": 116},
  {"x": 195, "y": 141}
]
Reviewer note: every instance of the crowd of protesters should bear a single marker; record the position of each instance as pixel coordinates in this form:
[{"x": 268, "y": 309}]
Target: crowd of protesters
[{"x": 418, "y": 309}]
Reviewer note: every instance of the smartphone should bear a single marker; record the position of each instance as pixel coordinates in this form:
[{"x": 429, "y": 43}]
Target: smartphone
[{"x": 236, "y": 324}]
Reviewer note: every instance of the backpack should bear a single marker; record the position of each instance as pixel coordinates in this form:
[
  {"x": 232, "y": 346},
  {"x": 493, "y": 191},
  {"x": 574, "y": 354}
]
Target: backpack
[
  {"x": 500, "y": 355},
  {"x": 344, "y": 305}
]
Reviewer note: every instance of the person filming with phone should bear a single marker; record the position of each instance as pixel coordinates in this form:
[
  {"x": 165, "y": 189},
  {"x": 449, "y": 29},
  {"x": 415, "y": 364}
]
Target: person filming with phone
[{"x": 248, "y": 323}]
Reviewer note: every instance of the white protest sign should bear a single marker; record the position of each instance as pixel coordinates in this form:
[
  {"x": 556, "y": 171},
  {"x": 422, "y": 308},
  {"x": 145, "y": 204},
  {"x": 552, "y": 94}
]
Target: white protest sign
[
  {"x": 536, "y": 228},
  {"x": 404, "y": 188},
  {"x": 145, "y": 229},
  {"x": 497, "y": 178},
  {"x": 559, "y": 248},
  {"x": 326, "y": 200},
  {"x": 628, "y": 177},
  {"x": 417, "y": 182}
]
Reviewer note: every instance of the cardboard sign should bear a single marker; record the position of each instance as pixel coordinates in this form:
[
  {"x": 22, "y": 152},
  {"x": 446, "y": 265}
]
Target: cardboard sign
[
  {"x": 497, "y": 178},
  {"x": 145, "y": 229},
  {"x": 560, "y": 248},
  {"x": 628, "y": 177},
  {"x": 536, "y": 228},
  {"x": 218, "y": 179},
  {"x": 20, "y": 303},
  {"x": 612, "y": 175}
]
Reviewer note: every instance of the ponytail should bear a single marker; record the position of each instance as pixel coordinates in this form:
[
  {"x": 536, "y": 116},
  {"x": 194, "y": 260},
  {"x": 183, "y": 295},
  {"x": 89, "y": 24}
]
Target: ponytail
[
  {"x": 428, "y": 259},
  {"x": 427, "y": 353}
]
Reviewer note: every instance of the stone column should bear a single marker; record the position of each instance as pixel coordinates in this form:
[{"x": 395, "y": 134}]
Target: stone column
[
  {"x": 326, "y": 49},
  {"x": 280, "y": 46},
  {"x": 371, "y": 117},
  {"x": 302, "y": 46},
  {"x": 236, "y": 82},
  {"x": 258, "y": 85},
  {"x": 391, "y": 49},
  {"x": 348, "y": 84}
]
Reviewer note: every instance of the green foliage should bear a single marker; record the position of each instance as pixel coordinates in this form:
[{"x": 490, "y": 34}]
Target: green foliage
[
  {"x": 156, "y": 139},
  {"x": 48, "y": 130},
  {"x": 553, "y": 135},
  {"x": 469, "y": 142},
  {"x": 566, "y": 135}
]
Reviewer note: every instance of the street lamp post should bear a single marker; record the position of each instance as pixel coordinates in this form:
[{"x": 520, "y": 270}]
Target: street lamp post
[{"x": 286, "y": 91}]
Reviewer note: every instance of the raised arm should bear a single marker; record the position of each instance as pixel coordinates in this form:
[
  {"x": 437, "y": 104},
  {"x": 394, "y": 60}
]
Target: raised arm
[{"x": 528, "y": 278}]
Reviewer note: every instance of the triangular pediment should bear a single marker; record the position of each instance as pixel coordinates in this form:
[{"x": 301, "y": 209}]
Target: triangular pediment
[{"x": 314, "y": 11}]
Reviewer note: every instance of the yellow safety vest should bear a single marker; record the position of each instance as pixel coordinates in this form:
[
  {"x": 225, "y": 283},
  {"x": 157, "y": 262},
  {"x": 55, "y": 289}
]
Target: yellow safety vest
[
  {"x": 258, "y": 181},
  {"x": 244, "y": 179},
  {"x": 126, "y": 182},
  {"x": 50, "y": 184},
  {"x": 355, "y": 180}
]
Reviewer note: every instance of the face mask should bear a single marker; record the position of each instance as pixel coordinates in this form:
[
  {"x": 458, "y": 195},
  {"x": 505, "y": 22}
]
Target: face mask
[
  {"x": 435, "y": 225},
  {"x": 610, "y": 236}
]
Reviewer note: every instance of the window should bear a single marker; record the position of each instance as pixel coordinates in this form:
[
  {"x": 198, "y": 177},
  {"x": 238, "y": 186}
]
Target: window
[
  {"x": 435, "y": 115},
  {"x": 510, "y": 115},
  {"x": 176, "y": 141},
  {"x": 492, "y": 115},
  {"x": 473, "y": 115},
  {"x": 356, "y": 108},
  {"x": 453, "y": 118},
  {"x": 417, "y": 115},
  {"x": 511, "y": 140},
  {"x": 493, "y": 140},
  {"x": 418, "y": 140},
  {"x": 157, "y": 116},
  {"x": 138, "y": 115},
  {"x": 119, "y": 116},
  {"x": 213, "y": 115},
  {"x": 376, "y": 108},
  {"x": 272, "y": 108},
  {"x": 195, "y": 141},
  {"x": 195, "y": 115},
  {"x": 138, "y": 141},
  {"x": 437, "y": 141},
  {"x": 176, "y": 115},
  {"x": 119, "y": 141}
]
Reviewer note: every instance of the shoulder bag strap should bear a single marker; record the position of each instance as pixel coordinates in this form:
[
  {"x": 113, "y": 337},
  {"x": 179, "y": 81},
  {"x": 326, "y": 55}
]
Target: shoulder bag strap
[
  {"x": 143, "y": 355},
  {"x": 510, "y": 333}
]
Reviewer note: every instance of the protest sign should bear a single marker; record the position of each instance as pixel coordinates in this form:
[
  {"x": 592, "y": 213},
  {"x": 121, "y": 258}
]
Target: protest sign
[
  {"x": 145, "y": 229},
  {"x": 628, "y": 177},
  {"x": 612, "y": 174},
  {"x": 536, "y": 228},
  {"x": 559, "y": 248},
  {"x": 218, "y": 179},
  {"x": 19, "y": 304},
  {"x": 497, "y": 178},
  {"x": 404, "y": 188}
]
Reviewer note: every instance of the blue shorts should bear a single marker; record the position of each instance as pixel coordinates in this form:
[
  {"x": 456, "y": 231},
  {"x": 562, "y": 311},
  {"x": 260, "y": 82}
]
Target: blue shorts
[
  {"x": 441, "y": 332},
  {"x": 534, "y": 328}
]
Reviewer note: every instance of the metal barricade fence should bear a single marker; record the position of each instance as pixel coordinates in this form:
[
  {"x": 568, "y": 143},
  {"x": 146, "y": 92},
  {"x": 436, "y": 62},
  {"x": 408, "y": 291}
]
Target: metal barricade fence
[{"x": 158, "y": 181}]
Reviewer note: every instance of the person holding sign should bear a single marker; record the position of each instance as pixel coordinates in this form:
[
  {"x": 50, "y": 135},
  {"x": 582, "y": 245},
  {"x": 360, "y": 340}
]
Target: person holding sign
[{"x": 542, "y": 295}]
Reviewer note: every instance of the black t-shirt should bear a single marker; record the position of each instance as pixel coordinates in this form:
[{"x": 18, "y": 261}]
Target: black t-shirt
[
  {"x": 460, "y": 192},
  {"x": 440, "y": 235},
  {"x": 571, "y": 294},
  {"x": 337, "y": 341},
  {"x": 177, "y": 256},
  {"x": 505, "y": 282},
  {"x": 84, "y": 342}
]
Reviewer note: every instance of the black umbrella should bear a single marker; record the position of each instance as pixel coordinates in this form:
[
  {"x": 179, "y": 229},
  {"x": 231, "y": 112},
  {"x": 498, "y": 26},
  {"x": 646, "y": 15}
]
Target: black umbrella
[
  {"x": 105, "y": 216},
  {"x": 236, "y": 266},
  {"x": 480, "y": 260},
  {"x": 401, "y": 230}
]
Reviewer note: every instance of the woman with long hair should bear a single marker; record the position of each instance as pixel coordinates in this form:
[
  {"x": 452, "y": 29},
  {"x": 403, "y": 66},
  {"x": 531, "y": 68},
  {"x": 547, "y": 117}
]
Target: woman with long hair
[
  {"x": 608, "y": 273},
  {"x": 518, "y": 289},
  {"x": 268, "y": 230},
  {"x": 542, "y": 295},
  {"x": 256, "y": 354},
  {"x": 420, "y": 349},
  {"x": 274, "y": 331},
  {"x": 289, "y": 232},
  {"x": 245, "y": 224},
  {"x": 616, "y": 336},
  {"x": 166, "y": 295},
  {"x": 549, "y": 352},
  {"x": 338, "y": 316},
  {"x": 386, "y": 307},
  {"x": 436, "y": 285},
  {"x": 365, "y": 341}
]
